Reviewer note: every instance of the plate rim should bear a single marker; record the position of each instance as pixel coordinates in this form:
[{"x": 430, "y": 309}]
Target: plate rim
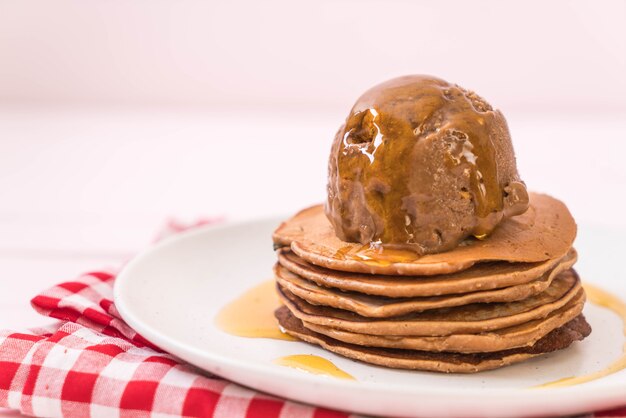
[{"x": 598, "y": 390}]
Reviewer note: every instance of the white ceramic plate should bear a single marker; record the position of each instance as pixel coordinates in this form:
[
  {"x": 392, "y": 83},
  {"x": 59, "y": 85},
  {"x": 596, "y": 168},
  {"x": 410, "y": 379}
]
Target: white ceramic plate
[{"x": 172, "y": 292}]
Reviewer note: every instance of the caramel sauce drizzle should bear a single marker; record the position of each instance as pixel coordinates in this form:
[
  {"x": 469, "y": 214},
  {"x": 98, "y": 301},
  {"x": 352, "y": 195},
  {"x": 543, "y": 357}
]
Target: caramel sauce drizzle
[
  {"x": 378, "y": 255},
  {"x": 394, "y": 115}
]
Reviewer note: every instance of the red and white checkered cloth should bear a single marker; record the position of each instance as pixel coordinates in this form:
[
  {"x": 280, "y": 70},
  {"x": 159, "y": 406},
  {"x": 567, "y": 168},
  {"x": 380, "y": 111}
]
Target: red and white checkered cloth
[{"x": 94, "y": 365}]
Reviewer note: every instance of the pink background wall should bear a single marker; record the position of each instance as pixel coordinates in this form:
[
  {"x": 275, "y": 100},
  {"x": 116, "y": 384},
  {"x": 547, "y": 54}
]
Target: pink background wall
[{"x": 528, "y": 55}]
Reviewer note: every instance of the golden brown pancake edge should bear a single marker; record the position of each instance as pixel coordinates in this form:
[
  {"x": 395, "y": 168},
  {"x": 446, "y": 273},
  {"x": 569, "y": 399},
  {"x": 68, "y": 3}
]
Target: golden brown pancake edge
[
  {"x": 521, "y": 335},
  {"x": 546, "y": 231},
  {"x": 482, "y": 276},
  {"x": 558, "y": 339},
  {"x": 382, "y": 307},
  {"x": 473, "y": 318}
]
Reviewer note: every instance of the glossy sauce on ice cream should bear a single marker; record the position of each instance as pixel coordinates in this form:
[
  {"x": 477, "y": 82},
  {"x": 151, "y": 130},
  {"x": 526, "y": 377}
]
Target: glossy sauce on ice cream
[{"x": 421, "y": 164}]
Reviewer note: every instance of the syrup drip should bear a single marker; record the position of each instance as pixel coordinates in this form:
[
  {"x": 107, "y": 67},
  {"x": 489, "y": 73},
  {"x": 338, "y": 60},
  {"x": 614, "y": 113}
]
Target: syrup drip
[
  {"x": 377, "y": 255},
  {"x": 313, "y": 364},
  {"x": 609, "y": 301},
  {"x": 252, "y": 314}
]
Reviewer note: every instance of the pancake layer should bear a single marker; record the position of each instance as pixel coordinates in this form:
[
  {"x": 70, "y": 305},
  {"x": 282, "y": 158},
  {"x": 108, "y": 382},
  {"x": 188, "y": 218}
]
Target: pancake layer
[
  {"x": 485, "y": 304},
  {"x": 546, "y": 231},
  {"x": 474, "y": 318},
  {"x": 558, "y": 339},
  {"x": 482, "y": 276},
  {"x": 383, "y": 306}
]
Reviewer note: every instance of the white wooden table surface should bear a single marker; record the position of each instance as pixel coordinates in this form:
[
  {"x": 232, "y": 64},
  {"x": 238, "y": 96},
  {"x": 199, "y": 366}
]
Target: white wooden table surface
[{"x": 85, "y": 188}]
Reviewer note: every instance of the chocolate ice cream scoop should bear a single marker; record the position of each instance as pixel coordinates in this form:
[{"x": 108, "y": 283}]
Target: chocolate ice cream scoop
[{"x": 422, "y": 163}]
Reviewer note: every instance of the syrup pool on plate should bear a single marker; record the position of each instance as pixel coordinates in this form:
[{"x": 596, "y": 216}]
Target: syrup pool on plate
[
  {"x": 252, "y": 315},
  {"x": 313, "y": 364}
]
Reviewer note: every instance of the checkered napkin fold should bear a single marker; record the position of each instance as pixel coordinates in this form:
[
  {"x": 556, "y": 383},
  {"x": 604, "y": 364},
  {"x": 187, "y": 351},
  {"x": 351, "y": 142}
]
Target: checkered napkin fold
[{"x": 94, "y": 365}]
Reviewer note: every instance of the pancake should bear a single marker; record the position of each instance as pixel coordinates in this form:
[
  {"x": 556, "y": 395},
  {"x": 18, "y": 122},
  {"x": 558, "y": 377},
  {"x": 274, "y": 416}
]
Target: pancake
[
  {"x": 546, "y": 231},
  {"x": 472, "y": 319},
  {"x": 522, "y": 335},
  {"x": 558, "y": 339},
  {"x": 383, "y": 307},
  {"x": 482, "y": 276}
]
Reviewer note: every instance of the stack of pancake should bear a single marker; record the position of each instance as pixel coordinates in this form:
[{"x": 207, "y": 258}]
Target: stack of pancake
[{"x": 485, "y": 304}]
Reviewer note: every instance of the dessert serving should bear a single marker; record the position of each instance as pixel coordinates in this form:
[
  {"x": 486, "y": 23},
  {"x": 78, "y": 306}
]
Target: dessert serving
[{"x": 430, "y": 253}]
